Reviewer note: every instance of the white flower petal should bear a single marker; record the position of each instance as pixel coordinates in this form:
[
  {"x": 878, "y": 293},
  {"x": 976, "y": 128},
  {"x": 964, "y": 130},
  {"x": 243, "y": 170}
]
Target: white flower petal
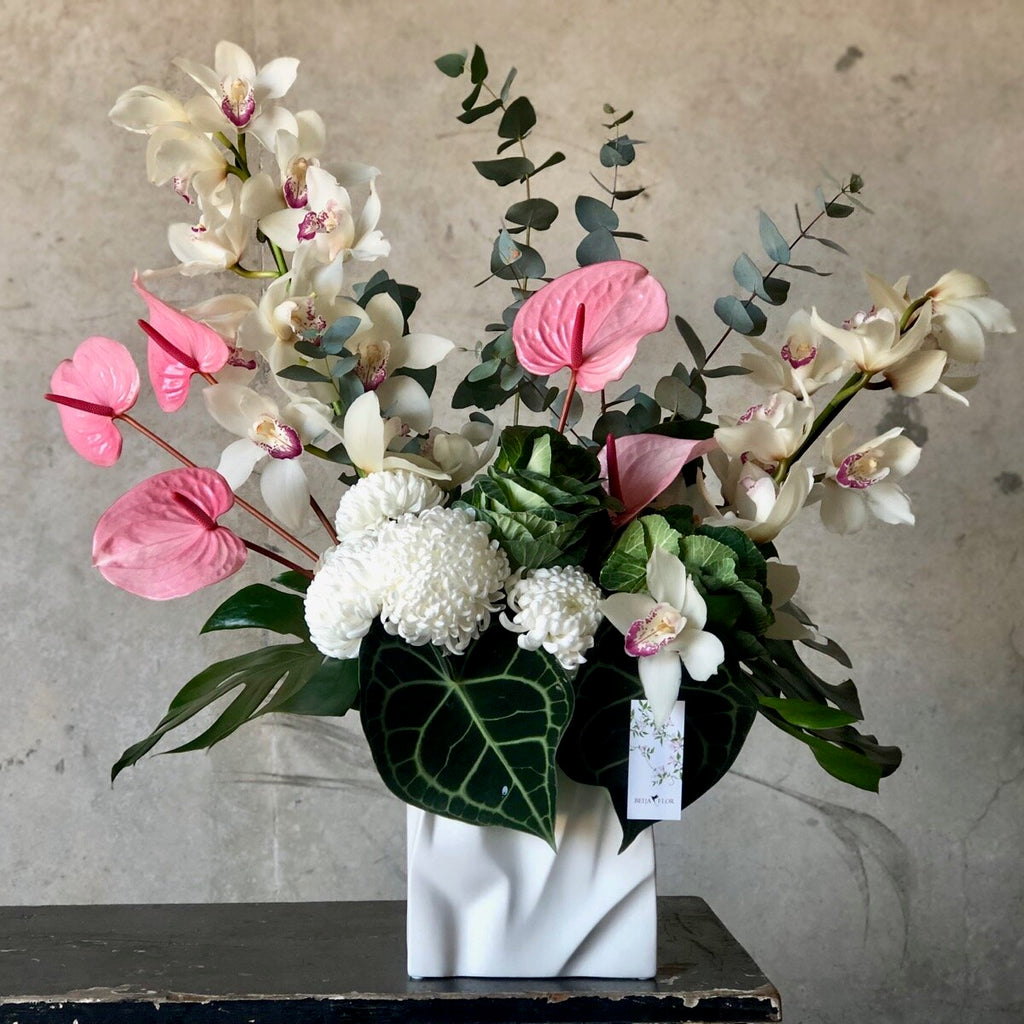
[
  {"x": 888, "y": 503},
  {"x": 286, "y": 491},
  {"x": 666, "y": 578},
  {"x": 236, "y": 408},
  {"x": 622, "y": 610},
  {"x": 842, "y": 510},
  {"x": 363, "y": 431},
  {"x": 405, "y": 398},
  {"x": 917, "y": 373},
  {"x": 238, "y": 460},
  {"x": 702, "y": 653},
  {"x": 275, "y": 78}
]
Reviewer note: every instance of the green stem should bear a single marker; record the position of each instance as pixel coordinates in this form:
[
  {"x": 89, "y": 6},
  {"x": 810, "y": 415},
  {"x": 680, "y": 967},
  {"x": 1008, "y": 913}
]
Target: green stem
[
  {"x": 839, "y": 402},
  {"x": 910, "y": 311},
  {"x": 282, "y": 266},
  {"x": 242, "y": 272}
]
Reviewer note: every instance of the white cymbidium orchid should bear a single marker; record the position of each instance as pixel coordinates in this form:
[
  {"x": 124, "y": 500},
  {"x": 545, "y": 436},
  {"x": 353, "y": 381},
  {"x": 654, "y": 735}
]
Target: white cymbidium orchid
[
  {"x": 873, "y": 341},
  {"x": 769, "y": 432},
  {"x": 217, "y": 241},
  {"x": 464, "y": 454},
  {"x": 754, "y": 502},
  {"x": 240, "y": 94},
  {"x": 862, "y": 478},
  {"x": 381, "y": 348},
  {"x": 962, "y": 310},
  {"x": 664, "y": 630},
  {"x": 367, "y": 437},
  {"x": 805, "y": 362},
  {"x": 266, "y": 431},
  {"x": 188, "y": 159}
]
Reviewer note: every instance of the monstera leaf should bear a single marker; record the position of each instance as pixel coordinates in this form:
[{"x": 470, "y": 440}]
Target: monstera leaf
[
  {"x": 595, "y": 748},
  {"x": 471, "y": 737}
]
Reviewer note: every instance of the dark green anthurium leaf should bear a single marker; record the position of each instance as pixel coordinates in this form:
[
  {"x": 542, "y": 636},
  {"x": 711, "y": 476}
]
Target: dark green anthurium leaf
[
  {"x": 506, "y": 170},
  {"x": 595, "y": 748},
  {"x": 808, "y": 714},
  {"x": 452, "y": 64},
  {"x": 260, "y": 607},
  {"x": 538, "y": 214},
  {"x": 518, "y": 119},
  {"x": 744, "y": 317},
  {"x": 593, "y": 214},
  {"x": 597, "y": 247},
  {"x": 775, "y": 246},
  {"x": 293, "y": 581},
  {"x": 471, "y": 737},
  {"x": 257, "y": 673}
]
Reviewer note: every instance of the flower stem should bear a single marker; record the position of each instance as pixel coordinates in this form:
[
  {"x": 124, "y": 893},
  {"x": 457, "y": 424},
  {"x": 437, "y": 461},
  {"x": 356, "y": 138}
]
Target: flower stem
[
  {"x": 267, "y": 553},
  {"x": 839, "y": 402},
  {"x": 242, "y": 272},
  {"x": 570, "y": 391},
  {"x": 324, "y": 521},
  {"x": 254, "y": 512}
]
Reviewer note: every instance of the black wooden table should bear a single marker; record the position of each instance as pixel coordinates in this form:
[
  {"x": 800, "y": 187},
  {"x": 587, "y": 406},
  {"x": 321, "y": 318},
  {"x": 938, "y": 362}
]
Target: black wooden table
[{"x": 299, "y": 963}]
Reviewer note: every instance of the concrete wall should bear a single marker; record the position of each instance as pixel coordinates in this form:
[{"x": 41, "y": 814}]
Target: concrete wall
[{"x": 904, "y": 906}]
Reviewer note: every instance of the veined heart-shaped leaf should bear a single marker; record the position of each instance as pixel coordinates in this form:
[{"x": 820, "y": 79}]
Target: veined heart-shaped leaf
[
  {"x": 470, "y": 737},
  {"x": 595, "y": 748}
]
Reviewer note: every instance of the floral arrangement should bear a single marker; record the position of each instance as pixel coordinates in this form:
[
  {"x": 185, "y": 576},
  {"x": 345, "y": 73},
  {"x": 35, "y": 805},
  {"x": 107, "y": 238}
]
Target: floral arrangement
[{"x": 491, "y": 600}]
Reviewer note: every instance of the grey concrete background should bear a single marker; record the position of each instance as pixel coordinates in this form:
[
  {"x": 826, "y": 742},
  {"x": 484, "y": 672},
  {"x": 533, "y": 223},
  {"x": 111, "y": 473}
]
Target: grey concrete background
[{"x": 905, "y": 906}]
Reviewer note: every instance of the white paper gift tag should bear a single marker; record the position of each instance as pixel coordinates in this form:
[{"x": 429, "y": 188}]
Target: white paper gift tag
[{"x": 655, "y": 774}]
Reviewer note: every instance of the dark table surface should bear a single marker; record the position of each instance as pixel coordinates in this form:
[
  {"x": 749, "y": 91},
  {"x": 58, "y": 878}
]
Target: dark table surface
[{"x": 298, "y": 963}]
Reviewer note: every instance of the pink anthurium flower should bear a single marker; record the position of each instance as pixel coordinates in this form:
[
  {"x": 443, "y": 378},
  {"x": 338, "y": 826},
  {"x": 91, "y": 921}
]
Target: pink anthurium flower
[
  {"x": 98, "y": 383},
  {"x": 639, "y": 467},
  {"x": 590, "y": 321},
  {"x": 178, "y": 348},
  {"x": 162, "y": 538}
]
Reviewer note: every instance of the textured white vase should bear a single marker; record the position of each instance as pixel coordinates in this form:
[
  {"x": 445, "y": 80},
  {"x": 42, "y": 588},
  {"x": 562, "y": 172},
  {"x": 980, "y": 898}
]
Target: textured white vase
[{"x": 491, "y": 902}]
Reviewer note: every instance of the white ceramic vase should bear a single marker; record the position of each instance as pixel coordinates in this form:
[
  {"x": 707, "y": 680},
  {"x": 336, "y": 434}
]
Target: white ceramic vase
[{"x": 494, "y": 902}]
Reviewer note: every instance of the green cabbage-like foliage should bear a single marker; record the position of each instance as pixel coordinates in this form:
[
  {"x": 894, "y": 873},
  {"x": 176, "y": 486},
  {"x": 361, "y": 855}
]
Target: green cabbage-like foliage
[{"x": 542, "y": 499}]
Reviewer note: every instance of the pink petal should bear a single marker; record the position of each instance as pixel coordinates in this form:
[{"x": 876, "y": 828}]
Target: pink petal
[
  {"x": 647, "y": 464},
  {"x": 101, "y": 373},
  {"x": 203, "y": 349},
  {"x": 623, "y": 304},
  {"x": 161, "y": 539}
]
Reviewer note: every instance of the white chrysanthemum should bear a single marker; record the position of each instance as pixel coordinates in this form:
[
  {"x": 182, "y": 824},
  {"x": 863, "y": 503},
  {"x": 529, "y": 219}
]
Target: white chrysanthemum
[
  {"x": 444, "y": 577},
  {"x": 555, "y": 609},
  {"x": 372, "y": 501},
  {"x": 344, "y": 598}
]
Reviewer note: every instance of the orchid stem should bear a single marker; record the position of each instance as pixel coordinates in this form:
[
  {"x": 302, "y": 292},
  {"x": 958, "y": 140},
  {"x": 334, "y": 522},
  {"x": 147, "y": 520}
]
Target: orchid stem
[
  {"x": 242, "y": 272},
  {"x": 254, "y": 512},
  {"x": 267, "y": 553}
]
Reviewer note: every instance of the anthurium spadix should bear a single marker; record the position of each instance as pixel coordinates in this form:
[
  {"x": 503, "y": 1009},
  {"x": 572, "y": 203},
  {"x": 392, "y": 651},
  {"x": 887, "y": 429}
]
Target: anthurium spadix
[
  {"x": 178, "y": 348},
  {"x": 162, "y": 539},
  {"x": 664, "y": 631},
  {"x": 590, "y": 322},
  {"x": 97, "y": 384},
  {"x": 639, "y": 467}
]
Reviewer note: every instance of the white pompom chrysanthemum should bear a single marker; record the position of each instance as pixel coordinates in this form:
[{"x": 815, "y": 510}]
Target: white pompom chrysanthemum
[
  {"x": 372, "y": 501},
  {"x": 444, "y": 577},
  {"x": 344, "y": 598},
  {"x": 555, "y": 609}
]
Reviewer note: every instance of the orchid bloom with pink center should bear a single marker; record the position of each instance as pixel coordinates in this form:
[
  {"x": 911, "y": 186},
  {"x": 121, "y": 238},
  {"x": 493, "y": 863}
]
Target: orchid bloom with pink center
[
  {"x": 95, "y": 386},
  {"x": 162, "y": 539},
  {"x": 178, "y": 348},
  {"x": 589, "y": 321},
  {"x": 639, "y": 467},
  {"x": 664, "y": 631}
]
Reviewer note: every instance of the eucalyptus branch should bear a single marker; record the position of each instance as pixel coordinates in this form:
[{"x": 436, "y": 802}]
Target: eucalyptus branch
[{"x": 844, "y": 190}]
